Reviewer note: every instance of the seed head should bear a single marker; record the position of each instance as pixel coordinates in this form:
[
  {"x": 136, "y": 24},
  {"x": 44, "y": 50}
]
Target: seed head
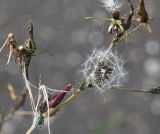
[{"x": 103, "y": 69}]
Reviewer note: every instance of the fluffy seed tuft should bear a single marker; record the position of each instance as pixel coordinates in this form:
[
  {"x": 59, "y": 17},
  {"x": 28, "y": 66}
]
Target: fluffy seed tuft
[
  {"x": 111, "y": 5},
  {"x": 103, "y": 69}
]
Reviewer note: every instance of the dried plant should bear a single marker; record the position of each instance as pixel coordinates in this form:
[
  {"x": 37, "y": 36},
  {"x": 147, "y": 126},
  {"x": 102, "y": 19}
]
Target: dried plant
[
  {"x": 142, "y": 16},
  {"x": 102, "y": 70},
  {"x": 119, "y": 25}
]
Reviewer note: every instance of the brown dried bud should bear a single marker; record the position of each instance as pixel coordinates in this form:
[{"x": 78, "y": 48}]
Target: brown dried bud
[
  {"x": 115, "y": 15},
  {"x": 142, "y": 13}
]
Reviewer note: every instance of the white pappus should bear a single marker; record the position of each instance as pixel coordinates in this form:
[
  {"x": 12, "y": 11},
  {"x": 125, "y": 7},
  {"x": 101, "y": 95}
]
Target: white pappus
[
  {"x": 111, "y": 5},
  {"x": 103, "y": 69}
]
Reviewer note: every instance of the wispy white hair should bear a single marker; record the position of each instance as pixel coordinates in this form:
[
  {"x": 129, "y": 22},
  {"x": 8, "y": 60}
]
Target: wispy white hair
[
  {"x": 114, "y": 61},
  {"x": 111, "y": 5}
]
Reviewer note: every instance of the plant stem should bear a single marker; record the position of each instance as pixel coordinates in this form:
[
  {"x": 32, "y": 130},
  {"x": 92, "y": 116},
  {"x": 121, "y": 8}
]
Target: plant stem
[
  {"x": 130, "y": 90},
  {"x": 136, "y": 28}
]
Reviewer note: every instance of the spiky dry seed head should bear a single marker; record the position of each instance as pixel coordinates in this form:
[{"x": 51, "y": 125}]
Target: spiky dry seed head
[{"x": 103, "y": 69}]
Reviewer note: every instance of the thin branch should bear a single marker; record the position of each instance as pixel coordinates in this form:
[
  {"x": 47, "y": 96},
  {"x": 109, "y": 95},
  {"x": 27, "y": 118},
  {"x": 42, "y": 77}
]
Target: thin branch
[
  {"x": 136, "y": 28},
  {"x": 120, "y": 88},
  {"x": 98, "y": 18},
  {"x": 19, "y": 103}
]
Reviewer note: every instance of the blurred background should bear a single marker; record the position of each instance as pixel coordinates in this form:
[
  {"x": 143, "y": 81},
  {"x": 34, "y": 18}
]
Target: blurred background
[{"x": 64, "y": 39}]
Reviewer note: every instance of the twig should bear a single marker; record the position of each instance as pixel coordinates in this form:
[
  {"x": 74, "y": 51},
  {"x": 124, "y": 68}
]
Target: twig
[
  {"x": 97, "y": 18},
  {"x": 78, "y": 91},
  {"x": 20, "y": 102},
  {"x": 12, "y": 92},
  {"x": 131, "y": 32},
  {"x": 128, "y": 89}
]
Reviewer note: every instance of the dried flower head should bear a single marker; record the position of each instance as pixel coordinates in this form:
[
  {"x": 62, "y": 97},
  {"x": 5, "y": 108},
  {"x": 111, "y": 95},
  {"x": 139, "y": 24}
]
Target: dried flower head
[
  {"x": 12, "y": 46},
  {"x": 142, "y": 15},
  {"x": 103, "y": 69},
  {"x": 112, "y": 5},
  {"x": 141, "y": 12}
]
